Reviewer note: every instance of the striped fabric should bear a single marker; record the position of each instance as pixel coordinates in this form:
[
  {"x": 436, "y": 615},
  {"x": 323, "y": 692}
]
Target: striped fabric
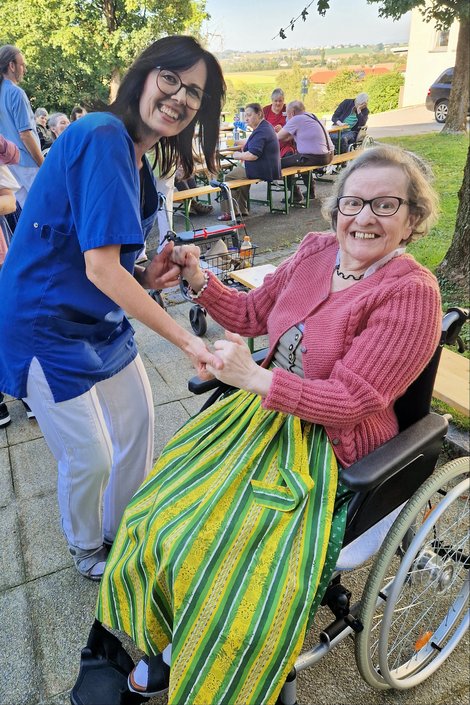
[{"x": 222, "y": 551}]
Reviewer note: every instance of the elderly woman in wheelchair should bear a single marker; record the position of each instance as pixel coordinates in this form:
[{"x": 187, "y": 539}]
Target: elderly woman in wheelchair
[{"x": 229, "y": 547}]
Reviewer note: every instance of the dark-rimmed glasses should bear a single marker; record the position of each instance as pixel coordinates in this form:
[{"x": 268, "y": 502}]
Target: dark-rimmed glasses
[
  {"x": 170, "y": 83},
  {"x": 381, "y": 206}
]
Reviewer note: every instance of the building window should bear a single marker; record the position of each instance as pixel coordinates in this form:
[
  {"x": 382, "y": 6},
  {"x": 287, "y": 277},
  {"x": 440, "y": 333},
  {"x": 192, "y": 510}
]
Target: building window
[{"x": 441, "y": 41}]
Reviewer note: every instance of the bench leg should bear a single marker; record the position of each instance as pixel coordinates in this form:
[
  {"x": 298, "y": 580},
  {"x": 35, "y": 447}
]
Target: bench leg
[{"x": 187, "y": 220}]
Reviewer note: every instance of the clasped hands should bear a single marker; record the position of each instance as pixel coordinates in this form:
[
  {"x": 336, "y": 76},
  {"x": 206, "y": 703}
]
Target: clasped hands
[{"x": 236, "y": 366}]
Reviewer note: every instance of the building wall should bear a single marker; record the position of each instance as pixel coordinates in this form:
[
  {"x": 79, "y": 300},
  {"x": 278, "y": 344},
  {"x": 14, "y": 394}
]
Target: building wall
[{"x": 426, "y": 59}]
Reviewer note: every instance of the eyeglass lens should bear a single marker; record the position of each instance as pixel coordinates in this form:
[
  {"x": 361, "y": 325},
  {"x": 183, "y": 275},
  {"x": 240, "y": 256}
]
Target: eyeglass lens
[
  {"x": 384, "y": 205},
  {"x": 170, "y": 83}
]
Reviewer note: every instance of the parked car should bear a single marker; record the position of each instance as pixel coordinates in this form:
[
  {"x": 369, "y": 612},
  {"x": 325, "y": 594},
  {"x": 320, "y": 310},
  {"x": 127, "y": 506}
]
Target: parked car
[{"x": 437, "y": 98}]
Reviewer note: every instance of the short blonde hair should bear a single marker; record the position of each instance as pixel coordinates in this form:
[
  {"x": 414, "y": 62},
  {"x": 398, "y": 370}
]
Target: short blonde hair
[{"x": 423, "y": 199}]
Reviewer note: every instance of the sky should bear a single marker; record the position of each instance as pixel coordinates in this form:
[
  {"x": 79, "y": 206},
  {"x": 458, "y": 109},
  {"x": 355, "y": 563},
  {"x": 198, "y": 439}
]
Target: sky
[{"x": 250, "y": 25}]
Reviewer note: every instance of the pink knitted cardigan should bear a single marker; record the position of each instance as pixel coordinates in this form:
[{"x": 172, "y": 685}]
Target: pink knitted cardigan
[{"x": 362, "y": 347}]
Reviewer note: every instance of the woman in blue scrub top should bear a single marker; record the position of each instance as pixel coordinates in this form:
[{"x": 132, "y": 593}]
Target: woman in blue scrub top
[{"x": 66, "y": 344}]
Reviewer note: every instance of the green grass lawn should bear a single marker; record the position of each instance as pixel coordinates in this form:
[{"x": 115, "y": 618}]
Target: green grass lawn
[
  {"x": 446, "y": 154},
  {"x": 264, "y": 79}
]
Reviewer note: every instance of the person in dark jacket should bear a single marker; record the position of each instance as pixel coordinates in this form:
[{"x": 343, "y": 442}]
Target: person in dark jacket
[
  {"x": 259, "y": 157},
  {"x": 352, "y": 112}
]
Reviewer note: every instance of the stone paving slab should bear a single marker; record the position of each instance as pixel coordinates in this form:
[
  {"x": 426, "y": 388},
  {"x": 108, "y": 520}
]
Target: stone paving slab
[
  {"x": 6, "y": 486},
  {"x": 19, "y": 667},
  {"x": 12, "y": 568},
  {"x": 33, "y": 468},
  {"x": 44, "y": 546}
]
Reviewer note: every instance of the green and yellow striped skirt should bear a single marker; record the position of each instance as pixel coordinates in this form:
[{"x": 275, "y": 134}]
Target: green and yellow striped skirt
[{"x": 225, "y": 551}]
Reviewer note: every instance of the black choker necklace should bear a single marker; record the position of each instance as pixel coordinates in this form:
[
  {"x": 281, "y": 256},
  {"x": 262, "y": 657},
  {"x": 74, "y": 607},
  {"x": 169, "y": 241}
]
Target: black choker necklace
[{"x": 339, "y": 273}]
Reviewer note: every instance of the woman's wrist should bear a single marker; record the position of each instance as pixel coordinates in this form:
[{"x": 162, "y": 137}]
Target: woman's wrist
[
  {"x": 260, "y": 381},
  {"x": 198, "y": 283}
]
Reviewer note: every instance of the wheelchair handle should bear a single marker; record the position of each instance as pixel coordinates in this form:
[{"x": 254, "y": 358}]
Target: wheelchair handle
[{"x": 452, "y": 323}]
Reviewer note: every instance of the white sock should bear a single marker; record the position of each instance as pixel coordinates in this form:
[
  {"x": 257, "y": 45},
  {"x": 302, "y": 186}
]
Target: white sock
[
  {"x": 166, "y": 654},
  {"x": 141, "y": 674},
  {"x": 141, "y": 671}
]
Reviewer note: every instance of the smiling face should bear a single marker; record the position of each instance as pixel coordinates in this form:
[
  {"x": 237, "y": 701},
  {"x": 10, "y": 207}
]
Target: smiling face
[
  {"x": 168, "y": 115},
  {"x": 365, "y": 238},
  {"x": 277, "y": 105}
]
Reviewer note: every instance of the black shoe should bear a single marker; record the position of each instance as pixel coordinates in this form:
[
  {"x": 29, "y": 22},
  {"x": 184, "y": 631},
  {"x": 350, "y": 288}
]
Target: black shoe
[{"x": 5, "y": 417}]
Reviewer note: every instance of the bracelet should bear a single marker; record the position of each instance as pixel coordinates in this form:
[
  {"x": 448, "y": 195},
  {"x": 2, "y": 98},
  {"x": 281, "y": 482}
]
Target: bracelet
[{"x": 192, "y": 294}]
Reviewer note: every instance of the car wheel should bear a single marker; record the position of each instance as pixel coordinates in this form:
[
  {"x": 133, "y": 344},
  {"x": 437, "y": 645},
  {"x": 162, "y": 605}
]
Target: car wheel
[{"x": 440, "y": 110}]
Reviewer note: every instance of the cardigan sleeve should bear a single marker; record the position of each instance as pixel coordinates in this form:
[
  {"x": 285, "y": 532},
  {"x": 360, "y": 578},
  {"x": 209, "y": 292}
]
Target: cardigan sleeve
[
  {"x": 245, "y": 313},
  {"x": 382, "y": 360}
]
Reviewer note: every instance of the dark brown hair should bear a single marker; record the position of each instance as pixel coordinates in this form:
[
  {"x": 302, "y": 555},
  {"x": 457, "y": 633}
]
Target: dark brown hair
[{"x": 177, "y": 53}]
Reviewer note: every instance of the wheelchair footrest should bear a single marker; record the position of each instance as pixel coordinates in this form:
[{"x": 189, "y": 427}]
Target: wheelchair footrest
[{"x": 104, "y": 668}]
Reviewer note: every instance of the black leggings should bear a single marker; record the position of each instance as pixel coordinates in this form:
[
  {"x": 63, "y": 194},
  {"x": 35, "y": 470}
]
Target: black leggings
[{"x": 305, "y": 160}]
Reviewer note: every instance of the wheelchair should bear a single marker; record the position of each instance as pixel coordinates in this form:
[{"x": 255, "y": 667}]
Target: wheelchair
[{"x": 413, "y": 611}]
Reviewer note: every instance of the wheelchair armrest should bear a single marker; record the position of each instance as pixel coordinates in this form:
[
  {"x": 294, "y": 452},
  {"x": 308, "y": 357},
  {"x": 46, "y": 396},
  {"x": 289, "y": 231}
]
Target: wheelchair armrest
[
  {"x": 200, "y": 386},
  {"x": 395, "y": 455}
]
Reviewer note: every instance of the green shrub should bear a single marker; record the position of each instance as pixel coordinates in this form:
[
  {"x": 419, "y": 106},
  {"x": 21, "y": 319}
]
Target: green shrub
[{"x": 383, "y": 91}]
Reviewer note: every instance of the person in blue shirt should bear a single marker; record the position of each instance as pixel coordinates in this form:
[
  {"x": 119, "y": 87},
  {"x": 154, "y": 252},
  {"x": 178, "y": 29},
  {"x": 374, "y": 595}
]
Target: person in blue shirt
[
  {"x": 259, "y": 156},
  {"x": 66, "y": 345},
  {"x": 17, "y": 121}
]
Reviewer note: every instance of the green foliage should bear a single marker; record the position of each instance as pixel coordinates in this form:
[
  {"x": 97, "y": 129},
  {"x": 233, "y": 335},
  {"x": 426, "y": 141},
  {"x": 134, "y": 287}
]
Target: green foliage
[
  {"x": 442, "y": 13},
  {"x": 446, "y": 155},
  {"x": 345, "y": 85},
  {"x": 74, "y": 47},
  {"x": 383, "y": 91}
]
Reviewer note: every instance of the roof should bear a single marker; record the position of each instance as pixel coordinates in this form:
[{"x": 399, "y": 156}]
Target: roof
[{"x": 325, "y": 76}]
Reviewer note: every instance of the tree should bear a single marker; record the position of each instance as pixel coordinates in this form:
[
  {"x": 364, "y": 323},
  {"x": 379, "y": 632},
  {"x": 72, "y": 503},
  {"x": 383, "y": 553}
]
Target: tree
[
  {"x": 76, "y": 49},
  {"x": 456, "y": 264},
  {"x": 443, "y": 13}
]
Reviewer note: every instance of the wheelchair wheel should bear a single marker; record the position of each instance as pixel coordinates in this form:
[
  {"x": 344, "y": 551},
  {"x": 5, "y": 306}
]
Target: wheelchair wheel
[
  {"x": 414, "y": 603},
  {"x": 197, "y": 318}
]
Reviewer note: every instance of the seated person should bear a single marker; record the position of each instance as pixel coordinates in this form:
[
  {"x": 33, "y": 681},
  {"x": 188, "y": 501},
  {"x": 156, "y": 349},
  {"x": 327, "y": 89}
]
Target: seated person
[
  {"x": 260, "y": 159},
  {"x": 314, "y": 146},
  {"x": 352, "y": 112},
  {"x": 45, "y": 136},
  {"x": 276, "y": 114},
  {"x": 182, "y": 184},
  {"x": 225, "y": 551}
]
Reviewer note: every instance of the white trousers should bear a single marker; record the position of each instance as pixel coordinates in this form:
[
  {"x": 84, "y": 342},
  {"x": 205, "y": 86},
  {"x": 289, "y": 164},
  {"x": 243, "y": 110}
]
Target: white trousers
[
  {"x": 25, "y": 176},
  {"x": 103, "y": 443}
]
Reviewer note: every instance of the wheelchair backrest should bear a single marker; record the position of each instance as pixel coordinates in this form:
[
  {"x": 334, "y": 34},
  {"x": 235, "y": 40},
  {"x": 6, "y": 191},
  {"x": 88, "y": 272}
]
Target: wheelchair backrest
[
  {"x": 410, "y": 470},
  {"x": 416, "y": 401}
]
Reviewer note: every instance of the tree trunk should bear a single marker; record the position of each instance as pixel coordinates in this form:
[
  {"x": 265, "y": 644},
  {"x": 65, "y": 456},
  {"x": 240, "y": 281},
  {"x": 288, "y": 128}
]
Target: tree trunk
[
  {"x": 459, "y": 94},
  {"x": 114, "y": 84},
  {"x": 455, "y": 266}
]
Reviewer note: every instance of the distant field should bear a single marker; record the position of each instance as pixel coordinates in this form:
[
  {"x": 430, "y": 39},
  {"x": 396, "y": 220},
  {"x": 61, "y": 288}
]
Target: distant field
[{"x": 260, "y": 78}]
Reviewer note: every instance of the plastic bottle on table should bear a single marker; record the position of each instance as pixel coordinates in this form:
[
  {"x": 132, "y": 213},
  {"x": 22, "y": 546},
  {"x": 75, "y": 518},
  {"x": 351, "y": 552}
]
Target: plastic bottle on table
[{"x": 246, "y": 251}]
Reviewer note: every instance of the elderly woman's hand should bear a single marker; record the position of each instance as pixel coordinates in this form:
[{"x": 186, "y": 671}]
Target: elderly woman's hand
[
  {"x": 187, "y": 258},
  {"x": 239, "y": 369}
]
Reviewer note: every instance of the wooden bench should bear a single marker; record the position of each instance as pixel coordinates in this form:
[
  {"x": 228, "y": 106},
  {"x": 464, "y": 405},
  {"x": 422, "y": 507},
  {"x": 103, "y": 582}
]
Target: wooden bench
[
  {"x": 452, "y": 381},
  {"x": 185, "y": 197},
  {"x": 290, "y": 171}
]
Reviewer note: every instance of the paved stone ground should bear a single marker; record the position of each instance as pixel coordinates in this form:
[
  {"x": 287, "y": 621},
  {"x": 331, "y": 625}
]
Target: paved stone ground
[{"x": 46, "y": 608}]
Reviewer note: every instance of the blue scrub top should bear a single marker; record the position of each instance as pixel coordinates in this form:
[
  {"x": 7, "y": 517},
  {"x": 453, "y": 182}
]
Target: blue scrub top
[{"x": 86, "y": 195}]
